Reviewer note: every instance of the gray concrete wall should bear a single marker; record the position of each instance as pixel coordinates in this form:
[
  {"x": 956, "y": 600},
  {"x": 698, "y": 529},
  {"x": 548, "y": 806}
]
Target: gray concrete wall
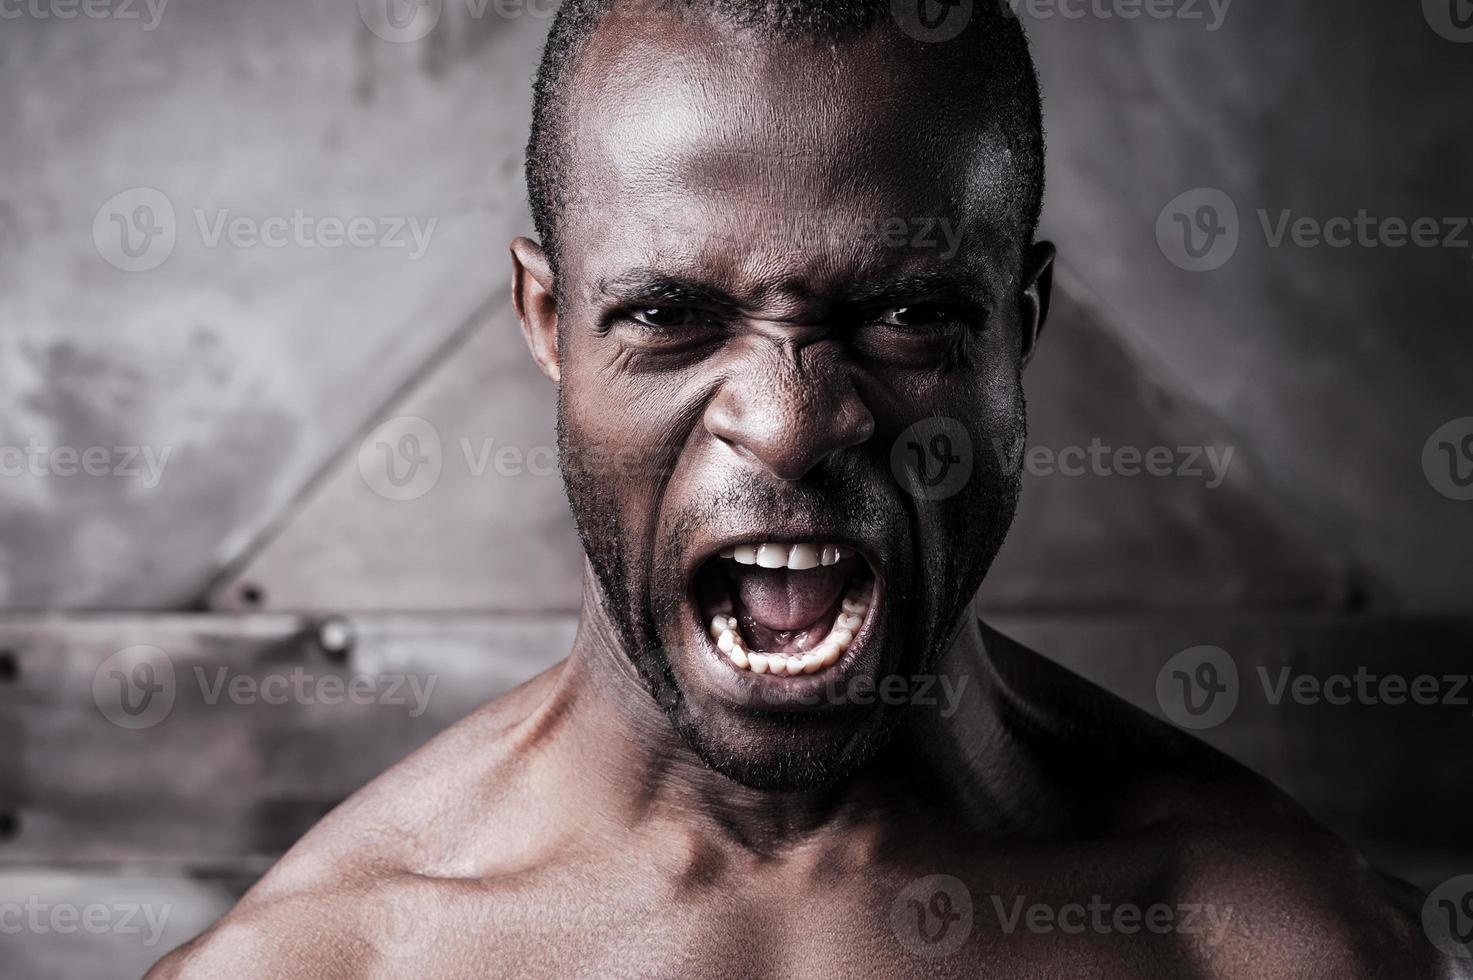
[
  {"x": 1335, "y": 365},
  {"x": 259, "y": 370},
  {"x": 270, "y": 375}
]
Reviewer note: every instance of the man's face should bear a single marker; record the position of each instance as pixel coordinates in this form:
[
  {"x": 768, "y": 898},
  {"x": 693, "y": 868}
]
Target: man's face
[{"x": 778, "y": 259}]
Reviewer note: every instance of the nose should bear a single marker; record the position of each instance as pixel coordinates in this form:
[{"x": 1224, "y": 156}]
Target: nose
[{"x": 789, "y": 420}]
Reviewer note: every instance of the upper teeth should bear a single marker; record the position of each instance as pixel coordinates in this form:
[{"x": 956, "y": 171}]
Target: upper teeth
[{"x": 795, "y": 556}]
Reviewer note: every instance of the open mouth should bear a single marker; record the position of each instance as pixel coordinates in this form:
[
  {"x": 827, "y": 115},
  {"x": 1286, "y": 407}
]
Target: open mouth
[{"x": 785, "y": 608}]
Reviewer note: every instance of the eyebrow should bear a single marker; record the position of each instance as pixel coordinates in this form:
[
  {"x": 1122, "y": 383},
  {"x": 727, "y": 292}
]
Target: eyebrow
[
  {"x": 936, "y": 285},
  {"x": 652, "y": 285}
]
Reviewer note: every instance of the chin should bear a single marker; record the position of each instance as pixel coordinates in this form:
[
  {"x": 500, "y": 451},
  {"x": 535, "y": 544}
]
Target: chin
[{"x": 786, "y": 753}]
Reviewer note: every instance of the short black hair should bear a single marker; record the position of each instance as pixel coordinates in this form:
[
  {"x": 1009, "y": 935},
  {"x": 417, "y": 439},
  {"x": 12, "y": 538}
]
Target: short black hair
[{"x": 991, "y": 27}]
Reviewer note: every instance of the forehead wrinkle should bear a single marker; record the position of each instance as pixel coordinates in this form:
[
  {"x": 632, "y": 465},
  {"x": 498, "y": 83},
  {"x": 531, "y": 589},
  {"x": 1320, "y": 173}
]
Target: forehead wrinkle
[
  {"x": 780, "y": 290},
  {"x": 778, "y": 272}
]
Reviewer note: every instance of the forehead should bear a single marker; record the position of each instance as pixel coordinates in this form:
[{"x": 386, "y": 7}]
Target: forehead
[{"x": 697, "y": 144}]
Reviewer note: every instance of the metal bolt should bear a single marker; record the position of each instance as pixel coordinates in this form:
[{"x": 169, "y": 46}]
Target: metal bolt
[{"x": 336, "y": 636}]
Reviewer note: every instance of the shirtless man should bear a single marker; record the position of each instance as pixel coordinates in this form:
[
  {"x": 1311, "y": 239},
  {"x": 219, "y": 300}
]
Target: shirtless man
[{"x": 782, "y": 744}]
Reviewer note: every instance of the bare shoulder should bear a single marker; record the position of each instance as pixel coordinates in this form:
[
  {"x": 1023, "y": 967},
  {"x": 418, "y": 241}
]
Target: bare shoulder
[
  {"x": 1273, "y": 892},
  {"x": 343, "y": 900},
  {"x": 1295, "y": 901}
]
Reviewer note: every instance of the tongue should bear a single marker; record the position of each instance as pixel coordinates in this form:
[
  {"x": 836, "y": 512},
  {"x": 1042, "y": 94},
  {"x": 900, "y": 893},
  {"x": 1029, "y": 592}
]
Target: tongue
[{"x": 784, "y": 600}]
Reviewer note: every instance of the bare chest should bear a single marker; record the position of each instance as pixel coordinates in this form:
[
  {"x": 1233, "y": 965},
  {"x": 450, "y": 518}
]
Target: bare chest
[{"x": 877, "y": 925}]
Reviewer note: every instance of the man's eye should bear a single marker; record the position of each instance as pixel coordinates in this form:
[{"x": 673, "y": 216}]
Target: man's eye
[
  {"x": 666, "y": 329},
  {"x": 662, "y": 317},
  {"x": 918, "y": 315}
]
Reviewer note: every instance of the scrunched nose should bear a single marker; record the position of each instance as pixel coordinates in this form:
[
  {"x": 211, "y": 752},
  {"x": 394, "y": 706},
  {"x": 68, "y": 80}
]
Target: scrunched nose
[{"x": 787, "y": 422}]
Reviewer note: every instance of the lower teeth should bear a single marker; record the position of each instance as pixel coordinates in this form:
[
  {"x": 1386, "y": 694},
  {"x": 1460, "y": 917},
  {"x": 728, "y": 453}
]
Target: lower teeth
[{"x": 826, "y": 654}]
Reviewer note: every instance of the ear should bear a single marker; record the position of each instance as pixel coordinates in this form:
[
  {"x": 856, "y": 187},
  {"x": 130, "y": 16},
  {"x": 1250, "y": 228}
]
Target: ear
[
  {"x": 533, "y": 296},
  {"x": 1038, "y": 288}
]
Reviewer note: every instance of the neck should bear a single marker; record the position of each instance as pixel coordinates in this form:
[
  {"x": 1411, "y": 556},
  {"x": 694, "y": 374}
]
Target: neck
[{"x": 947, "y": 759}]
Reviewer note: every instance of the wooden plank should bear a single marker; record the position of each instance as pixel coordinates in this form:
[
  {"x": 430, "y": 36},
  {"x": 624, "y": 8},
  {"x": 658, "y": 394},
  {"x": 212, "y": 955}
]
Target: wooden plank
[
  {"x": 204, "y": 771},
  {"x": 213, "y": 782}
]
